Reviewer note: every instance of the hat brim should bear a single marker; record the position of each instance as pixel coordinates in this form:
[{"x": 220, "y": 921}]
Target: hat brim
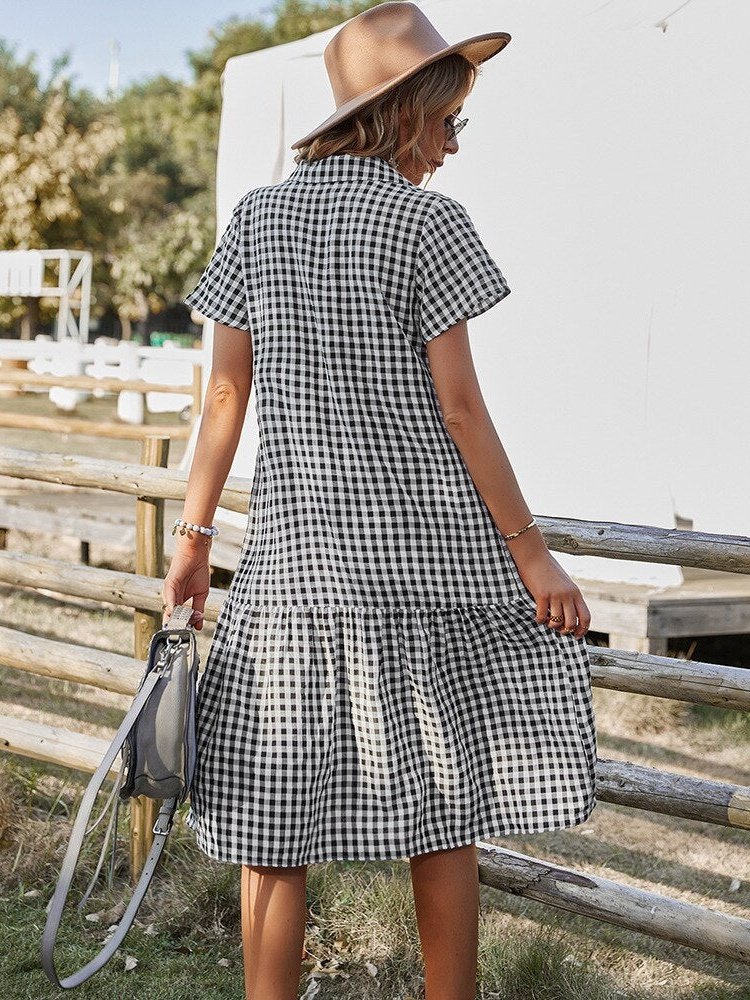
[{"x": 477, "y": 49}]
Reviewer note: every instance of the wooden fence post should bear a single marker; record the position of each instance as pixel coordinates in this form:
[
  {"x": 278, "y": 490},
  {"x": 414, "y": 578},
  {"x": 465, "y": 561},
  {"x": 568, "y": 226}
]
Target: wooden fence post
[{"x": 149, "y": 561}]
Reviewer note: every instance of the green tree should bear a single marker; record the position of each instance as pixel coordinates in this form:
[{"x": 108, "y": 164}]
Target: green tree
[
  {"x": 131, "y": 179},
  {"x": 162, "y": 196},
  {"x": 38, "y": 172},
  {"x": 41, "y": 172},
  {"x": 20, "y": 88}
]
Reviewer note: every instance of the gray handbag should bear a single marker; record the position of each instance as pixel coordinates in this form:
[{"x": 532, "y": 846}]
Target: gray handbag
[{"x": 158, "y": 743}]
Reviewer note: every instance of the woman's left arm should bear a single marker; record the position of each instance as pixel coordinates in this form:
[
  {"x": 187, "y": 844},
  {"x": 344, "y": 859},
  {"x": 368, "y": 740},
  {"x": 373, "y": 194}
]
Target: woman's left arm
[
  {"x": 225, "y": 406},
  {"x": 469, "y": 423}
]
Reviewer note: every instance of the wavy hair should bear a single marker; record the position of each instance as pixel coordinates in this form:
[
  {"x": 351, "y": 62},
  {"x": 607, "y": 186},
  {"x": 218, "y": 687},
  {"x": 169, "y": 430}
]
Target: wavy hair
[{"x": 437, "y": 89}]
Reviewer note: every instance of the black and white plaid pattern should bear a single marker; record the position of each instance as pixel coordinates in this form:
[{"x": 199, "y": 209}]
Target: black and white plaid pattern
[{"x": 377, "y": 686}]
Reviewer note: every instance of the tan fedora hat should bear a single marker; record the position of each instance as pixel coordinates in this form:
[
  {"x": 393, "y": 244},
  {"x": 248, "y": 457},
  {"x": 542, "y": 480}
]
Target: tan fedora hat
[{"x": 383, "y": 46}]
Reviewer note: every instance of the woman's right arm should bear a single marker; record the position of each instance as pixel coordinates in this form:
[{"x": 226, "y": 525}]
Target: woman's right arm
[
  {"x": 225, "y": 406},
  {"x": 469, "y": 424}
]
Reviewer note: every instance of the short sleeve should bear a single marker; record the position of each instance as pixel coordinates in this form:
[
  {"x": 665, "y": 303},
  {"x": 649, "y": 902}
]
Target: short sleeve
[
  {"x": 221, "y": 294},
  {"x": 456, "y": 278}
]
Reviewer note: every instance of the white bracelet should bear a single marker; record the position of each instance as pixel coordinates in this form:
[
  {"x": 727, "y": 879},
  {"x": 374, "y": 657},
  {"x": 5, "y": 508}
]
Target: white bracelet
[{"x": 186, "y": 527}]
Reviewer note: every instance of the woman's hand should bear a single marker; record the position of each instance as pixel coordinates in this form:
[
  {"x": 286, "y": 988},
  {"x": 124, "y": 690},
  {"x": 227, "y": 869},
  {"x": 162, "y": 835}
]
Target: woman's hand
[
  {"x": 555, "y": 594},
  {"x": 189, "y": 576}
]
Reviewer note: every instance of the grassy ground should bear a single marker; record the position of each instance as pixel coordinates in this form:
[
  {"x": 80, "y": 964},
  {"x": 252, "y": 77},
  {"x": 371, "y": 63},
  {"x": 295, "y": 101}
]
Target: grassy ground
[{"x": 361, "y": 939}]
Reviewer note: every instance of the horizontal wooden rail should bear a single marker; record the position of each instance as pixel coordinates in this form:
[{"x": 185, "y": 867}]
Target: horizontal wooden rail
[
  {"x": 68, "y": 661},
  {"x": 727, "y": 553},
  {"x": 621, "y": 670},
  {"x": 614, "y": 902},
  {"x": 671, "y": 677},
  {"x": 673, "y": 794},
  {"x": 129, "y": 590},
  {"x": 646, "y": 543},
  {"x": 107, "y": 383},
  {"x": 55, "y": 745},
  {"x": 120, "y": 477},
  {"x": 96, "y": 428},
  {"x": 31, "y": 350}
]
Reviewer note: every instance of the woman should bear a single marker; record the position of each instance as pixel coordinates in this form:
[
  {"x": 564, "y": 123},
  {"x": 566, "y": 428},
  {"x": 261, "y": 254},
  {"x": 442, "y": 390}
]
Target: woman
[{"x": 399, "y": 668}]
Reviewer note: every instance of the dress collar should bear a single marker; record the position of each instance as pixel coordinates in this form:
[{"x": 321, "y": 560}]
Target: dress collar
[{"x": 347, "y": 167}]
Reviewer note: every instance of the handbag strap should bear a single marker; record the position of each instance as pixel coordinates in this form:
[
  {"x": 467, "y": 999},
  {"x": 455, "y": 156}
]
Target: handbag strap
[{"x": 178, "y": 620}]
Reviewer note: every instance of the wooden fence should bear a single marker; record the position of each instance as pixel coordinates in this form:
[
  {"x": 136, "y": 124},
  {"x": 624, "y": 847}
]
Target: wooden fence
[
  {"x": 621, "y": 782},
  {"x": 23, "y": 379}
]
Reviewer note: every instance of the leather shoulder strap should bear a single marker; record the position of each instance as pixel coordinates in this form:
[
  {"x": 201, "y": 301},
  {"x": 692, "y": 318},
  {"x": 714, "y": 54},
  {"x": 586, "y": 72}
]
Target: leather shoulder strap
[{"x": 162, "y": 826}]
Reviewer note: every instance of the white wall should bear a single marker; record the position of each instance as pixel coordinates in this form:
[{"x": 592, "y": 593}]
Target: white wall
[{"x": 606, "y": 166}]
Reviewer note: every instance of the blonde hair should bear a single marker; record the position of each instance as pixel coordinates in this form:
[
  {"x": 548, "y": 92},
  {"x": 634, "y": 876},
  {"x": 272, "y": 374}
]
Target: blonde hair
[{"x": 437, "y": 89}]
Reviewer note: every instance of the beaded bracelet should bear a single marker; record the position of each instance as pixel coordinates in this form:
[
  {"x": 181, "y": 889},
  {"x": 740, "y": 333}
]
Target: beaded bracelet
[
  {"x": 186, "y": 527},
  {"x": 531, "y": 524}
]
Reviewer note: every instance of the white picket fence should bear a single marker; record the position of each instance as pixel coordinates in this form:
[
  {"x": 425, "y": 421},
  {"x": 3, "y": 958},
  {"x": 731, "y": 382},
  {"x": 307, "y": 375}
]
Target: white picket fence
[{"x": 167, "y": 365}]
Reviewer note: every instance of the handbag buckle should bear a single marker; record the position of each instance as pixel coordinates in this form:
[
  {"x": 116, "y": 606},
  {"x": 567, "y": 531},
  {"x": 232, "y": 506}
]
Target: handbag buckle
[{"x": 163, "y": 823}]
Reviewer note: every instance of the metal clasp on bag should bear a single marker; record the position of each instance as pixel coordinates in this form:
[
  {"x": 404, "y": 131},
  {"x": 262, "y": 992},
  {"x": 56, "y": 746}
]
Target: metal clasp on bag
[{"x": 169, "y": 651}]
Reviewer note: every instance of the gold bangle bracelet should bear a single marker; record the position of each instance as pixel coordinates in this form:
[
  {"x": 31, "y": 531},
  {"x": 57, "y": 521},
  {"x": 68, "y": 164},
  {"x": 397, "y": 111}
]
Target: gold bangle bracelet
[{"x": 514, "y": 534}]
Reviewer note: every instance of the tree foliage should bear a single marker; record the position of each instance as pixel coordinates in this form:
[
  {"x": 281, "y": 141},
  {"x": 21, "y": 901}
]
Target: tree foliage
[
  {"x": 39, "y": 172},
  {"x": 130, "y": 178}
]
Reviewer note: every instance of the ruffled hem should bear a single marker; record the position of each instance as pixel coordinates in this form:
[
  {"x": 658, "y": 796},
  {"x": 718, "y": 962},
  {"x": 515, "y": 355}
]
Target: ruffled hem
[
  {"x": 334, "y": 732},
  {"x": 422, "y": 846}
]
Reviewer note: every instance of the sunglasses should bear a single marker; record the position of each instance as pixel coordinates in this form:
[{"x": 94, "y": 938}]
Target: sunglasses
[{"x": 453, "y": 125}]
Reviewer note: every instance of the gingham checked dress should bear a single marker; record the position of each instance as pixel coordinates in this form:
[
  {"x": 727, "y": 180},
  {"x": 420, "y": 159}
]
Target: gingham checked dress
[{"x": 377, "y": 685}]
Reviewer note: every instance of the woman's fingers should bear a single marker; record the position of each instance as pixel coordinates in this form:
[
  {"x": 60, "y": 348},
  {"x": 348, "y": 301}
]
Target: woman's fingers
[
  {"x": 565, "y": 615},
  {"x": 561, "y": 608},
  {"x": 168, "y": 600},
  {"x": 174, "y": 593},
  {"x": 584, "y": 617},
  {"x": 556, "y": 617},
  {"x": 170, "y": 597},
  {"x": 196, "y": 619},
  {"x": 199, "y": 596}
]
